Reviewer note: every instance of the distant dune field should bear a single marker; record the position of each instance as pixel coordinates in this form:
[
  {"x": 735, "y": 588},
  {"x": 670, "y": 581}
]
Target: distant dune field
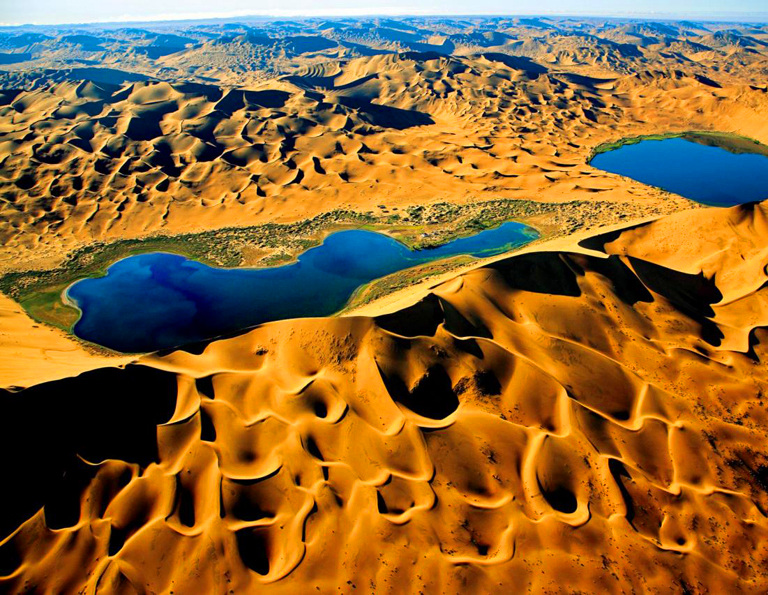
[
  {"x": 91, "y": 155},
  {"x": 585, "y": 414}
]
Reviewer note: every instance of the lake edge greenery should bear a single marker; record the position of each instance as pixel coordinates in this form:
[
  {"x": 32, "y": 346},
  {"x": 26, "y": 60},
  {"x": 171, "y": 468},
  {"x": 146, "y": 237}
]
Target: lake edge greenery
[
  {"x": 731, "y": 142},
  {"x": 41, "y": 293}
]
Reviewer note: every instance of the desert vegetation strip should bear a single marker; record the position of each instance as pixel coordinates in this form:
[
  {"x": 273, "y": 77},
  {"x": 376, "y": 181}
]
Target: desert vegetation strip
[
  {"x": 734, "y": 143},
  {"x": 41, "y": 292}
]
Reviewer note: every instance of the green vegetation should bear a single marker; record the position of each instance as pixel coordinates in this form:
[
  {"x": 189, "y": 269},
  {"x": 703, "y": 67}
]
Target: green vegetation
[
  {"x": 402, "y": 279},
  {"x": 733, "y": 143},
  {"x": 48, "y": 306},
  {"x": 40, "y": 293}
]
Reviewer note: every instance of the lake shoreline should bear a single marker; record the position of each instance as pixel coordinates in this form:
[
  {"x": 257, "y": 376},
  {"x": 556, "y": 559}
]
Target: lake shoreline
[
  {"x": 159, "y": 300},
  {"x": 713, "y": 170},
  {"x": 730, "y": 141},
  {"x": 39, "y": 292}
]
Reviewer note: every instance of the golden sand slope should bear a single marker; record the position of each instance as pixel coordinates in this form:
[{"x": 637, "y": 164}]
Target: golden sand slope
[
  {"x": 32, "y": 353},
  {"x": 242, "y": 53},
  {"x": 83, "y": 162},
  {"x": 591, "y": 420}
]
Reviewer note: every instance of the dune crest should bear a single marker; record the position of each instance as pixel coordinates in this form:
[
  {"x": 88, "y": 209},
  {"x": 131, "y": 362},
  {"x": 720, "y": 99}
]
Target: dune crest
[
  {"x": 587, "y": 419},
  {"x": 32, "y": 352},
  {"x": 86, "y": 162}
]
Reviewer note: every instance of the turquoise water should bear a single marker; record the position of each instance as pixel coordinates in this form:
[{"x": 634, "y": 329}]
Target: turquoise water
[
  {"x": 706, "y": 174},
  {"x": 156, "y": 301}
]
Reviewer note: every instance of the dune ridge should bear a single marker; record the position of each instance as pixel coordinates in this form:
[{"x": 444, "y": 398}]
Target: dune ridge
[
  {"x": 247, "y": 51},
  {"x": 397, "y": 130},
  {"x": 591, "y": 418}
]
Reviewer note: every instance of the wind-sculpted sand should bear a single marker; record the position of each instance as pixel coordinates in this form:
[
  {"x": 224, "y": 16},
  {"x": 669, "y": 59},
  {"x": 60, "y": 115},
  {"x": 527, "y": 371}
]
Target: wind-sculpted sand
[
  {"x": 83, "y": 162},
  {"x": 591, "y": 419},
  {"x": 32, "y": 353}
]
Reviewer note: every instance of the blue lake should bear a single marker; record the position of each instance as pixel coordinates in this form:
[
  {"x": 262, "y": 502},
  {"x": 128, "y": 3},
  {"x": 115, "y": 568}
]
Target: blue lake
[
  {"x": 156, "y": 301},
  {"x": 707, "y": 174}
]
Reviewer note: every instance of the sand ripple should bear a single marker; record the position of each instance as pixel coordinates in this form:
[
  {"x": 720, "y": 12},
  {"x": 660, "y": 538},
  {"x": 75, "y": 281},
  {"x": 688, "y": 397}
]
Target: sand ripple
[{"x": 588, "y": 420}]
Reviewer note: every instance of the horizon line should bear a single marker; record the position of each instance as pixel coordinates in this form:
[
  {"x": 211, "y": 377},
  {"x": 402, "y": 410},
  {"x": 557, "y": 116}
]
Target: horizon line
[{"x": 701, "y": 16}]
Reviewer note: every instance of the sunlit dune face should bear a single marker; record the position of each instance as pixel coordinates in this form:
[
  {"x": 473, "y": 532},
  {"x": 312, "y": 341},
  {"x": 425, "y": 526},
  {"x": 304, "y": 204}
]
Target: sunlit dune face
[
  {"x": 586, "y": 414},
  {"x": 583, "y": 414}
]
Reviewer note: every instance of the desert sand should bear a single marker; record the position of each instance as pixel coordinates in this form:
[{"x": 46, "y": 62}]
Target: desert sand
[
  {"x": 588, "y": 419},
  {"x": 505, "y": 116},
  {"x": 587, "y": 414},
  {"x": 32, "y": 353}
]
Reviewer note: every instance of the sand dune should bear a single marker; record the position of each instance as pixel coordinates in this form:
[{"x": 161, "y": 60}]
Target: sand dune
[
  {"x": 247, "y": 52},
  {"x": 85, "y": 162},
  {"x": 587, "y": 415},
  {"x": 590, "y": 419},
  {"x": 33, "y": 353},
  {"x": 121, "y": 133}
]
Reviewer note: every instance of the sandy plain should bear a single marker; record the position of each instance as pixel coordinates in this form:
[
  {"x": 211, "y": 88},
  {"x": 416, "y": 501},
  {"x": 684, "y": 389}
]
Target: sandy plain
[{"x": 588, "y": 414}]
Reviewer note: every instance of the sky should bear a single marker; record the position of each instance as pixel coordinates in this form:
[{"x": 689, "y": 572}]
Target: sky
[{"x": 15, "y": 12}]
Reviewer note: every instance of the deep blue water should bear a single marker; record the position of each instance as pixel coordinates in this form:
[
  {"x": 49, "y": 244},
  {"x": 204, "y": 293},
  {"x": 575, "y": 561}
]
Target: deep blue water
[
  {"x": 709, "y": 175},
  {"x": 155, "y": 301}
]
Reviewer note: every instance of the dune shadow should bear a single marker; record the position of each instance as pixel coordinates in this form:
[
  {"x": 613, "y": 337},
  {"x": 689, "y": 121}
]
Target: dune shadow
[
  {"x": 104, "y": 414},
  {"x": 599, "y": 241},
  {"x": 420, "y": 319},
  {"x": 517, "y": 63},
  {"x": 385, "y": 116},
  {"x": 624, "y": 282},
  {"x": 541, "y": 272},
  {"x": 111, "y": 76},
  {"x": 432, "y": 397},
  {"x": 693, "y": 295},
  {"x": 7, "y": 58}
]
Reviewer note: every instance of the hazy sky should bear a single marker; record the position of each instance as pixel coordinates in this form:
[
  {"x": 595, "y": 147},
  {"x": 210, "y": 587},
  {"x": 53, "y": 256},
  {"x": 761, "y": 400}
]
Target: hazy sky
[{"x": 83, "y": 11}]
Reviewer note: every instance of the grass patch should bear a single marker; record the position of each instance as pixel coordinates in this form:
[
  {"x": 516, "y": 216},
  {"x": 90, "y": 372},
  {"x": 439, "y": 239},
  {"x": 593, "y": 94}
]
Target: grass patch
[
  {"x": 47, "y": 306},
  {"x": 733, "y": 143},
  {"x": 400, "y": 280},
  {"x": 418, "y": 227}
]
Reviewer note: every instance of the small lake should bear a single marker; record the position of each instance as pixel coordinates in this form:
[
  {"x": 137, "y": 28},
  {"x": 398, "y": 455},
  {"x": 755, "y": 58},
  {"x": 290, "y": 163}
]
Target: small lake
[
  {"x": 156, "y": 301},
  {"x": 712, "y": 175}
]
